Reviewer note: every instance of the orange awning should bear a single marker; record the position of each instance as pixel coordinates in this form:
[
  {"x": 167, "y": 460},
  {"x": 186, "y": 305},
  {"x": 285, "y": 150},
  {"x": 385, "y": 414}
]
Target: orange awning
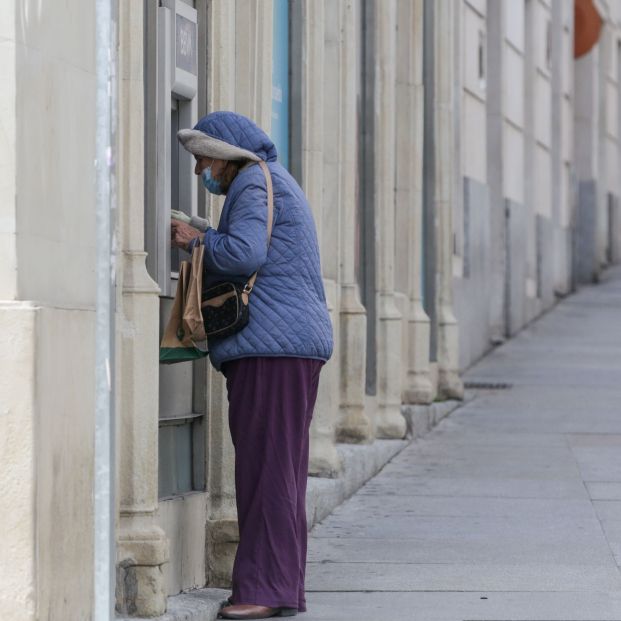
[{"x": 587, "y": 26}]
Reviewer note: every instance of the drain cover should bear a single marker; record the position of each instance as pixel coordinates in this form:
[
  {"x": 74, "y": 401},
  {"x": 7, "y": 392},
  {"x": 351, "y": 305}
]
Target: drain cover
[{"x": 487, "y": 385}]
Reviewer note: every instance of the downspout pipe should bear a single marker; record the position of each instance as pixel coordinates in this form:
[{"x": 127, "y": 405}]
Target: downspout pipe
[{"x": 104, "y": 466}]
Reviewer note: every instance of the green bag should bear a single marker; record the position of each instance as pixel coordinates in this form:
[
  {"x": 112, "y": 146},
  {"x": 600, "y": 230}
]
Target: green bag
[{"x": 185, "y": 327}]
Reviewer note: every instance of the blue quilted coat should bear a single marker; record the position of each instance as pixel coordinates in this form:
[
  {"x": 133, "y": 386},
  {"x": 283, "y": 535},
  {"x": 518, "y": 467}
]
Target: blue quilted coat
[{"x": 288, "y": 312}]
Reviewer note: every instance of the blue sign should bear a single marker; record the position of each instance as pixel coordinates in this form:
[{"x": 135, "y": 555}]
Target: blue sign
[{"x": 280, "y": 81}]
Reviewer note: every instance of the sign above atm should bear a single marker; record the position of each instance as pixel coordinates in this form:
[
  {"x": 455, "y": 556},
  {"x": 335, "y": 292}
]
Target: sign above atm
[
  {"x": 186, "y": 57},
  {"x": 180, "y": 39}
]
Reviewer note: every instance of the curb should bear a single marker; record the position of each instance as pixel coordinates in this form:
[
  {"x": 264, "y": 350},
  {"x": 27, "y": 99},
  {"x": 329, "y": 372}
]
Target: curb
[{"x": 421, "y": 419}]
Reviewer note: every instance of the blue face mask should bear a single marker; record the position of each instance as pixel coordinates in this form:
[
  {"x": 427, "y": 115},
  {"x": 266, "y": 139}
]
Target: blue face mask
[{"x": 210, "y": 183}]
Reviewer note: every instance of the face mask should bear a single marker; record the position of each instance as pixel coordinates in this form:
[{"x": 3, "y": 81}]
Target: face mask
[{"x": 210, "y": 183}]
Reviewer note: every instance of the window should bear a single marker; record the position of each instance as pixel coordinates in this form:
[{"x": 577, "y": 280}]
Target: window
[{"x": 280, "y": 81}]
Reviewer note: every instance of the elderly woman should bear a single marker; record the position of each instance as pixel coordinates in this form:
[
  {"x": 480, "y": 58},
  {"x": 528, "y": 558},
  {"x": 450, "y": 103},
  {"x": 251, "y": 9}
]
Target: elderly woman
[{"x": 272, "y": 365}]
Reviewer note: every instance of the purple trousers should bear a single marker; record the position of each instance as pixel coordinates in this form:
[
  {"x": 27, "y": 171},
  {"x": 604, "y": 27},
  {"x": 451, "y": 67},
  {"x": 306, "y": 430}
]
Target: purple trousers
[{"x": 271, "y": 403}]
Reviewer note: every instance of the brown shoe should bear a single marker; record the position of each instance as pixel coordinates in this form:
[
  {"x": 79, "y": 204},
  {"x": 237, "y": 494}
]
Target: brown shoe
[{"x": 250, "y": 611}]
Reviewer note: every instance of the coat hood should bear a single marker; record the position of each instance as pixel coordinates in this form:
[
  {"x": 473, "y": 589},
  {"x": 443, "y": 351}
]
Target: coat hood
[{"x": 228, "y": 136}]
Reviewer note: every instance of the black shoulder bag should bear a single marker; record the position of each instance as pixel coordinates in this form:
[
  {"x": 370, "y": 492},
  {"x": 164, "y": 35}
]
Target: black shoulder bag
[{"x": 225, "y": 305}]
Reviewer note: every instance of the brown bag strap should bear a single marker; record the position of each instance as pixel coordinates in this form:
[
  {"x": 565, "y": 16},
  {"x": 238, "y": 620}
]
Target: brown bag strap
[{"x": 270, "y": 220}]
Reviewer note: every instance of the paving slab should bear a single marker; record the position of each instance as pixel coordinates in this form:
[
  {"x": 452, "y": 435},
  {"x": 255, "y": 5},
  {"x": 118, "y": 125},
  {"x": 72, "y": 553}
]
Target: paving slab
[
  {"x": 612, "y": 532},
  {"x": 485, "y": 486},
  {"x": 520, "y": 550},
  {"x": 465, "y": 528},
  {"x": 459, "y": 606},
  {"x": 365, "y": 508},
  {"x": 466, "y": 577},
  {"x": 604, "y": 490},
  {"x": 608, "y": 509},
  {"x": 601, "y": 463}
]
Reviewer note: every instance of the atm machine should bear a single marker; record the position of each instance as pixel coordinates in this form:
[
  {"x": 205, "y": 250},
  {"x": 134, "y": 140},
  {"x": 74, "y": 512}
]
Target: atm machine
[{"x": 171, "y": 94}]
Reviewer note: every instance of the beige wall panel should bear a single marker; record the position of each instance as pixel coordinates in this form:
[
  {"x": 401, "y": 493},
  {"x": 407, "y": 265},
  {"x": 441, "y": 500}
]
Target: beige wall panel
[
  {"x": 567, "y": 113},
  {"x": 543, "y": 97},
  {"x": 613, "y": 56},
  {"x": 253, "y": 60},
  {"x": 568, "y": 14},
  {"x": 513, "y": 163},
  {"x": 56, "y": 94},
  {"x": 514, "y": 86},
  {"x": 331, "y": 171},
  {"x": 183, "y": 519},
  {"x": 402, "y": 199},
  {"x": 514, "y": 23},
  {"x": 8, "y": 259},
  {"x": 612, "y": 110},
  {"x": 473, "y": 26},
  {"x": 8, "y": 11},
  {"x": 567, "y": 68},
  {"x": 615, "y": 11},
  {"x": 478, "y": 6},
  {"x": 613, "y": 170},
  {"x": 17, "y": 474},
  {"x": 44, "y": 29},
  {"x": 65, "y": 393},
  {"x": 474, "y": 159},
  {"x": 566, "y": 197},
  {"x": 543, "y": 177},
  {"x": 542, "y": 18}
]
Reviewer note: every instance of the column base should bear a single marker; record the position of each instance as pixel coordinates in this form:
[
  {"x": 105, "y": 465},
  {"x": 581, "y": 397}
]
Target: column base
[
  {"x": 450, "y": 385},
  {"x": 324, "y": 459},
  {"x": 354, "y": 426},
  {"x": 390, "y": 422},
  {"x": 222, "y": 542},
  {"x": 140, "y": 589},
  {"x": 419, "y": 386},
  {"x": 420, "y": 389}
]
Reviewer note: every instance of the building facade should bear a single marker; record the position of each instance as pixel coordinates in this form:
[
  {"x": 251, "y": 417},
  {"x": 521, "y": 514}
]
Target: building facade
[{"x": 462, "y": 168}]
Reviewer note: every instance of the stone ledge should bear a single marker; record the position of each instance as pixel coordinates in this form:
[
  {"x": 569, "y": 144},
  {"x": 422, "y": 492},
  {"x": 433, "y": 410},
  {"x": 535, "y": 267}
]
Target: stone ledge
[
  {"x": 197, "y": 605},
  {"x": 361, "y": 462}
]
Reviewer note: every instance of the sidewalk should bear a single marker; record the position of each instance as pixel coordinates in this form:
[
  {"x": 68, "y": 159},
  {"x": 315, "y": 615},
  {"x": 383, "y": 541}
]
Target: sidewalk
[{"x": 511, "y": 508}]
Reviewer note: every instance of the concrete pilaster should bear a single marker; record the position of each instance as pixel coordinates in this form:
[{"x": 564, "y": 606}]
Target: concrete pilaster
[
  {"x": 222, "y": 531},
  {"x": 586, "y": 152},
  {"x": 253, "y": 61},
  {"x": 354, "y": 425},
  {"x": 495, "y": 53},
  {"x": 389, "y": 423},
  {"x": 449, "y": 382},
  {"x": 324, "y": 460},
  {"x": 418, "y": 386},
  {"x": 142, "y": 546},
  {"x": 603, "y": 59}
]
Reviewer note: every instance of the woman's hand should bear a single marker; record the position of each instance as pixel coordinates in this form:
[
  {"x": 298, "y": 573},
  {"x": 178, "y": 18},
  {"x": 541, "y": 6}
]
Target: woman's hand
[{"x": 181, "y": 234}]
